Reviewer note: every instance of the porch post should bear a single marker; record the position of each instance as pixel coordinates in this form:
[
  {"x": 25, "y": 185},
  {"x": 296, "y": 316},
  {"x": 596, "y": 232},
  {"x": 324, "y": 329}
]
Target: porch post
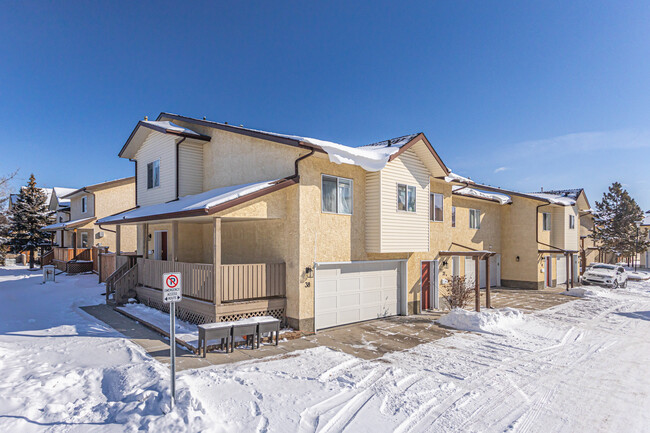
[
  {"x": 573, "y": 271},
  {"x": 477, "y": 284},
  {"x": 488, "y": 303},
  {"x": 118, "y": 240},
  {"x": 216, "y": 259},
  {"x": 174, "y": 241},
  {"x": 145, "y": 241},
  {"x": 74, "y": 244},
  {"x": 567, "y": 256}
]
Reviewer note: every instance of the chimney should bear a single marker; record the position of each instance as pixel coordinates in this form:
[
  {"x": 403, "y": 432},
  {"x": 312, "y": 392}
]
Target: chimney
[{"x": 542, "y": 189}]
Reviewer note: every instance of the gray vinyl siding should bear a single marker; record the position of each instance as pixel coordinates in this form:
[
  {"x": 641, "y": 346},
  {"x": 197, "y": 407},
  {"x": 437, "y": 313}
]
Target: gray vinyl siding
[
  {"x": 163, "y": 147},
  {"x": 190, "y": 168}
]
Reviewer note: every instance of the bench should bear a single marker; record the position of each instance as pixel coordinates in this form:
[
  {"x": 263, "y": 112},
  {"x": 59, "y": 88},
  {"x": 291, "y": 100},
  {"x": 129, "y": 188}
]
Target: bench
[{"x": 211, "y": 331}]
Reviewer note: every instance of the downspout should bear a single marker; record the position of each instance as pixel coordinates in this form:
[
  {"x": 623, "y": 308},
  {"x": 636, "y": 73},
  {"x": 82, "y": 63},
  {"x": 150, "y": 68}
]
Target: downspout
[
  {"x": 296, "y": 175},
  {"x": 108, "y": 230},
  {"x": 178, "y": 146}
]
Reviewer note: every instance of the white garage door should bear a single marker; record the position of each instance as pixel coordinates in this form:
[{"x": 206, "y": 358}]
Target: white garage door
[
  {"x": 348, "y": 293},
  {"x": 561, "y": 270}
]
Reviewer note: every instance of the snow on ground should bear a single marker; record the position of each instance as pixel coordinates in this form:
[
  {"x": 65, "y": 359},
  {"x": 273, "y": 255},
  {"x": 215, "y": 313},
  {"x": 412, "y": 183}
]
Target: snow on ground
[
  {"x": 495, "y": 320},
  {"x": 579, "y": 366},
  {"x": 578, "y": 292}
]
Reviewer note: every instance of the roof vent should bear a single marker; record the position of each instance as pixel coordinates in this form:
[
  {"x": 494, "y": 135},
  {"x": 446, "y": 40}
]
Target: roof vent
[
  {"x": 203, "y": 117},
  {"x": 146, "y": 118},
  {"x": 542, "y": 189}
]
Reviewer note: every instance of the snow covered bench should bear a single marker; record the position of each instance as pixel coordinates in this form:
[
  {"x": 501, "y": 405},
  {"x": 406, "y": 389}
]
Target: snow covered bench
[
  {"x": 253, "y": 327},
  {"x": 211, "y": 331}
]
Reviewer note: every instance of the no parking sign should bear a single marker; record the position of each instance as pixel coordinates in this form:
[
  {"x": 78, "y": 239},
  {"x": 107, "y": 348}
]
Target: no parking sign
[{"x": 172, "y": 287}]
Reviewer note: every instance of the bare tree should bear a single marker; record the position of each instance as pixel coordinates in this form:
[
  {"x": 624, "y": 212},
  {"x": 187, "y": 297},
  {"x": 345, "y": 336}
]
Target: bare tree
[{"x": 459, "y": 291}]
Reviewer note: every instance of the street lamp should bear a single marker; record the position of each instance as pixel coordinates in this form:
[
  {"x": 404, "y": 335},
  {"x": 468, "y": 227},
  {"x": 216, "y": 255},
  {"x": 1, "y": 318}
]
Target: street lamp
[{"x": 636, "y": 241}]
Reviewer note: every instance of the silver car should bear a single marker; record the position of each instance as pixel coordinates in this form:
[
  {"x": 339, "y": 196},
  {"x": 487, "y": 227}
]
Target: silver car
[{"x": 601, "y": 274}]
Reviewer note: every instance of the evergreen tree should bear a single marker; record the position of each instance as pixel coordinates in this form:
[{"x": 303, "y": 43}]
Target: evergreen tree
[
  {"x": 4, "y": 217},
  {"x": 28, "y": 216},
  {"x": 615, "y": 223}
]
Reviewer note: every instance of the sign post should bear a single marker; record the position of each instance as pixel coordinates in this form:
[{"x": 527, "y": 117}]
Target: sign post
[{"x": 172, "y": 293}]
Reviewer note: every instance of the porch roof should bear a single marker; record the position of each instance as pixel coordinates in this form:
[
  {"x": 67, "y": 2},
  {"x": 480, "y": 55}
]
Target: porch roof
[
  {"x": 479, "y": 254},
  {"x": 68, "y": 224},
  {"x": 204, "y": 204}
]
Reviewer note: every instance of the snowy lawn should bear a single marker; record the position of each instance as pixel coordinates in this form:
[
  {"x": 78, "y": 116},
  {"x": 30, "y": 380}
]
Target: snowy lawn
[{"x": 579, "y": 366}]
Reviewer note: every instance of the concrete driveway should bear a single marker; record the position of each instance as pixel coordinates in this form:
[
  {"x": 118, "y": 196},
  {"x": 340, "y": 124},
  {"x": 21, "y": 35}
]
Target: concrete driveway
[{"x": 367, "y": 340}]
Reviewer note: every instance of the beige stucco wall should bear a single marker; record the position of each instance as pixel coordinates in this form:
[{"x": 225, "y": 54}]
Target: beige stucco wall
[{"x": 109, "y": 201}]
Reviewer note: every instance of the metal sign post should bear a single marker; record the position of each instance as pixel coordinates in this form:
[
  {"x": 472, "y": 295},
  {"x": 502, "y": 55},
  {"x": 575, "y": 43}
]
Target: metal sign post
[{"x": 172, "y": 293}]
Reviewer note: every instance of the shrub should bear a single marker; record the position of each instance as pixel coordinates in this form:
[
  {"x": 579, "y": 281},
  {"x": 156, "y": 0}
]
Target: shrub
[{"x": 459, "y": 291}]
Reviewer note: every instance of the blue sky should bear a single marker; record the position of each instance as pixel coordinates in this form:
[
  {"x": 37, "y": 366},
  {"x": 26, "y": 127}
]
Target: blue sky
[{"x": 520, "y": 95}]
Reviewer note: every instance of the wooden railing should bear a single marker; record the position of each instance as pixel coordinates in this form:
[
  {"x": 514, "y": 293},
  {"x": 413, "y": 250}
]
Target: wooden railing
[
  {"x": 112, "y": 279},
  {"x": 197, "y": 278},
  {"x": 47, "y": 258},
  {"x": 67, "y": 254},
  {"x": 125, "y": 286},
  {"x": 252, "y": 281}
]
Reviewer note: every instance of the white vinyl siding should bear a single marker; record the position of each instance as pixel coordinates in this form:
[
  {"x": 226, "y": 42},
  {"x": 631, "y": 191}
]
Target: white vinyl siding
[
  {"x": 190, "y": 168},
  {"x": 373, "y": 211},
  {"x": 399, "y": 231},
  {"x": 161, "y": 147}
]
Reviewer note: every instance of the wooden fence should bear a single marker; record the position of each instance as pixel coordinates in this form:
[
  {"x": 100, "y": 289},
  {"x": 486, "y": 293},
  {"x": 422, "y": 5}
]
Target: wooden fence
[
  {"x": 106, "y": 265},
  {"x": 67, "y": 254},
  {"x": 94, "y": 256},
  {"x": 197, "y": 278},
  {"x": 252, "y": 281}
]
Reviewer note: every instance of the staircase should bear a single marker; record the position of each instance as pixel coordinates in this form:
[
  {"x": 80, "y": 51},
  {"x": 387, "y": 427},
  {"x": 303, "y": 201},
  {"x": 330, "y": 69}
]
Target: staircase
[{"x": 120, "y": 285}]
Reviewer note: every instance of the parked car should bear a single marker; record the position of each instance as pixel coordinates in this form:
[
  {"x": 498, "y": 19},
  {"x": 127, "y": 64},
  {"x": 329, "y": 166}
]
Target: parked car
[{"x": 602, "y": 274}]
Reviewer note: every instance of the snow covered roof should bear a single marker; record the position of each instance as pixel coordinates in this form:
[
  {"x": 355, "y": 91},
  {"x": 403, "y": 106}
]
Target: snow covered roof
[
  {"x": 99, "y": 186},
  {"x": 572, "y": 192},
  {"x": 646, "y": 220},
  {"x": 471, "y": 192},
  {"x": 60, "y": 193},
  {"x": 144, "y": 128},
  {"x": 205, "y": 203},
  {"x": 453, "y": 177},
  {"x": 371, "y": 157},
  {"x": 555, "y": 199},
  {"x": 68, "y": 224},
  {"x": 166, "y": 127}
]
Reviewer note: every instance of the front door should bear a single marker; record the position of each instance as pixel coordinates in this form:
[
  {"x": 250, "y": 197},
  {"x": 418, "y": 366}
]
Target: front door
[
  {"x": 160, "y": 245},
  {"x": 426, "y": 286}
]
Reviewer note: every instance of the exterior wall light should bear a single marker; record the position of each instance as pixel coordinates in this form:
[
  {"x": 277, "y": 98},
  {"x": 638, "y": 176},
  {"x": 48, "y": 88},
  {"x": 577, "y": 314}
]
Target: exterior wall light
[{"x": 517, "y": 259}]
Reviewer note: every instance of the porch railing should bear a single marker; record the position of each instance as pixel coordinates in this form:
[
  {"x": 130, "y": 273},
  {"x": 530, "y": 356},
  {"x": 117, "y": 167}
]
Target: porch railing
[
  {"x": 197, "y": 278},
  {"x": 47, "y": 258},
  {"x": 67, "y": 254},
  {"x": 252, "y": 281},
  {"x": 240, "y": 282}
]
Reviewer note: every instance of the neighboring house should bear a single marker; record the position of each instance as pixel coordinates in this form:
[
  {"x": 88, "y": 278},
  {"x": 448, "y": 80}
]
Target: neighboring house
[
  {"x": 76, "y": 212},
  {"x": 644, "y": 259},
  {"x": 320, "y": 233},
  {"x": 60, "y": 207}
]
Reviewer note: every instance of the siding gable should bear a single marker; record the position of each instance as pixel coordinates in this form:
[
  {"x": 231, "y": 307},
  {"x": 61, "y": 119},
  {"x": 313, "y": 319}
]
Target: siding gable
[
  {"x": 163, "y": 147},
  {"x": 190, "y": 168}
]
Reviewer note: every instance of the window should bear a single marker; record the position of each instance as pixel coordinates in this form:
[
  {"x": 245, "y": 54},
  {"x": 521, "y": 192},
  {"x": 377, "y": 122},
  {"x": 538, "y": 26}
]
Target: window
[
  {"x": 546, "y": 221},
  {"x": 435, "y": 213},
  {"x": 84, "y": 206},
  {"x": 336, "y": 195},
  {"x": 474, "y": 219},
  {"x": 405, "y": 198},
  {"x": 453, "y": 216},
  {"x": 153, "y": 174},
  {"x": 572, "y": 221},
  {"x": 84, "y": 240}
]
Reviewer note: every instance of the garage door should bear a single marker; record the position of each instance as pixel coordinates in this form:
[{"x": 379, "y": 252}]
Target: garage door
[
  {"x": 352, "y": 292},
  {"x": 561, "y": 270}
]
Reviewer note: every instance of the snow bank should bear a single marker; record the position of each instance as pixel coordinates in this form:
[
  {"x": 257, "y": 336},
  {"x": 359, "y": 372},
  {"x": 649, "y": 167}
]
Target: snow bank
[
  {"x": 579, "y": 292},
  {"x": 495, "y": 321}
]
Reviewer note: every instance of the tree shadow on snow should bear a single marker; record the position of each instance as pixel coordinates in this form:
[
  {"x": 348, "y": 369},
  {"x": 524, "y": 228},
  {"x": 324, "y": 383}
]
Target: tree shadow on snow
[{"x": 641, "y": 315}]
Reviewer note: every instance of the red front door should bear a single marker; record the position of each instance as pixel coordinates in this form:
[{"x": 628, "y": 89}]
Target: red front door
[
  {"x": 163, "y": 246},
  {"x": 426, "y": 286}
]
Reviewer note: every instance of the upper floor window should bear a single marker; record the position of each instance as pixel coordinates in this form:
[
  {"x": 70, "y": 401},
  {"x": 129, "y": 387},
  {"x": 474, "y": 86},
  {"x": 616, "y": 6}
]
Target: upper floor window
[
  {"x": 84, "y": 204},
  {"x": 453, "y": 216},
  {"x": 405, "y": 198},
  {"x": 153, "y": 174},
  {"x": 435, "y": 213},
  {"x": 336, "y": 195},
  {"x": 572, "y": 221},
  {"x": 475, "y": 219},
  {"x": 546, "y": 221}
]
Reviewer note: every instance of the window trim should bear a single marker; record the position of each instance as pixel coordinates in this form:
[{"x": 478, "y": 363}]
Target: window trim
[
  {"x": 84, "y": 204},
  {"x": 478, "y": 221},
  {"x": 322, "y": 201},
  {"x": 415, "y": 191},
  {"x": 152, "y": 175},
  {"x": 546, "y": 215},
  {"x": 432, "y": 196}
]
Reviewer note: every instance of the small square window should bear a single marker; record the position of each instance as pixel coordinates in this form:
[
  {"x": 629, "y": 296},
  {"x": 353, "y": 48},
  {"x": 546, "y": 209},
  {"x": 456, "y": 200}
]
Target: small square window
[
  {"x": 336, "y": 195},
  {"x": 406, "y": 198}
]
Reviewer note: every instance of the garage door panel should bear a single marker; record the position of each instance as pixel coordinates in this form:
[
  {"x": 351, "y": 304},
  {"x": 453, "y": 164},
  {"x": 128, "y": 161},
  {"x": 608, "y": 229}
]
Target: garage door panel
[{"x": 348, "y": 293}]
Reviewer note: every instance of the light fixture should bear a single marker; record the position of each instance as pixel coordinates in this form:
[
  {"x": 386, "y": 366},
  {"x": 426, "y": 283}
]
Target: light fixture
[
  {"x": 308, "y": 271},
  {"x": 517, "y": 259}
]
